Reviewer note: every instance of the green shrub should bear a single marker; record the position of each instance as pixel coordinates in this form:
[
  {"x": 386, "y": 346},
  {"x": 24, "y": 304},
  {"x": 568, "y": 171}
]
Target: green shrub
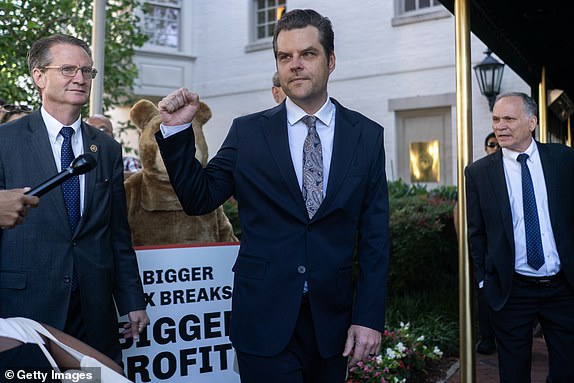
[{"x": 423, "y": 241}]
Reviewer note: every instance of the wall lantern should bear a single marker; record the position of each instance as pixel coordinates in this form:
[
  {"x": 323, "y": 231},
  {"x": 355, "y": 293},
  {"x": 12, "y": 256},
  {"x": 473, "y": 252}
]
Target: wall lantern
[{"x": 489, "y": 77}]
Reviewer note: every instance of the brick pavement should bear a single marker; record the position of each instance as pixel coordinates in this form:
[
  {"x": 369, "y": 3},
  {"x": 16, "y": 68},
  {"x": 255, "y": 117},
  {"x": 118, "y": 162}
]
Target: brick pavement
[{"x": 487, "y": 366}]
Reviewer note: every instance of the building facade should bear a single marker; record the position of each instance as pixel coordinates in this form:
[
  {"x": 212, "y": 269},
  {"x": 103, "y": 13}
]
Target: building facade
[{"x": 395, "y": 64}]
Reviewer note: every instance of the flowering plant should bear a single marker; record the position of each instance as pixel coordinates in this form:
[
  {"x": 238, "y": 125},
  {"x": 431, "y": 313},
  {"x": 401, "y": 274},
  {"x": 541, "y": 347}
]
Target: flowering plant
[{"x": 404, "y": 358}]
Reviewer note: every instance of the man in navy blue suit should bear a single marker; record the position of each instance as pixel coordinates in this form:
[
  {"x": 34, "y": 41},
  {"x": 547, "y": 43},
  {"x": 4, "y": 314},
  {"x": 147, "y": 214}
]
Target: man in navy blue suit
[
  {"x": 69, "y": 265},
  {"x": 518, "y": 286},
  {"x": 296, "y": 316}
]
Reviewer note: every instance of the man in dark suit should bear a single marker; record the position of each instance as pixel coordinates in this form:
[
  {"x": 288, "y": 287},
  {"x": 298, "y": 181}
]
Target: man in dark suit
[
  {"x": 294, "y": 316},
  {"x": 522, "y": 245},
  {"x": 69, "y": 271}
]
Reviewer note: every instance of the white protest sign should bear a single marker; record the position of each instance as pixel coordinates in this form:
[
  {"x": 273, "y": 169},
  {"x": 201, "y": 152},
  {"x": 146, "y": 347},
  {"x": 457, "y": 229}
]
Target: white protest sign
[{"x": 188, "y": 292}]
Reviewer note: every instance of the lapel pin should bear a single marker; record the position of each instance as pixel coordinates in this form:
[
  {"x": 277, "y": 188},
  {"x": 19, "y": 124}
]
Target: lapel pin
[{"x": 93, "y": 148}]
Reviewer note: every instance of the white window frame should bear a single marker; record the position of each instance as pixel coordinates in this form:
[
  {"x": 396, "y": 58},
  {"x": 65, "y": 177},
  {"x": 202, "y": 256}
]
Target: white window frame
[
  {"x": 434, "y": 11},
  {"x": 176, "y": 5},
  {"x": 255, "y": 42}
]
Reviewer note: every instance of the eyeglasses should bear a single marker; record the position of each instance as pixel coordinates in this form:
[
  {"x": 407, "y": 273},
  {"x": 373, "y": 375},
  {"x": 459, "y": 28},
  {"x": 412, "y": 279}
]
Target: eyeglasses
[
  {"x": 70, "y": 71},
  {"x": 493, "y": 145}
]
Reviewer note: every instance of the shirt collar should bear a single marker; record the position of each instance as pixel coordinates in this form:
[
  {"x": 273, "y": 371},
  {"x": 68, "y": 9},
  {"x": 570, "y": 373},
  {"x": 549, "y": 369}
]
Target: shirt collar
[
  {"x": 295, "y": 113},
  {"x": 54, "y": 126},
  {"x": 531, "y": 151}
]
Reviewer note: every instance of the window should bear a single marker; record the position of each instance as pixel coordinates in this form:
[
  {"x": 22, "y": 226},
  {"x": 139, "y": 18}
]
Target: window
[
  {"x": 415, "y": 11},
  {"x": 418, "y": 5},
  {"x": 267, "y": 12},
  {"x": 162, "y": 21}
]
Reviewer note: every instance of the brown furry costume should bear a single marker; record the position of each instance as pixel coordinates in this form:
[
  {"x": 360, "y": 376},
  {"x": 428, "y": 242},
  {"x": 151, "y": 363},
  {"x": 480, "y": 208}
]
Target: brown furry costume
[{"x": 154, "y": 212}]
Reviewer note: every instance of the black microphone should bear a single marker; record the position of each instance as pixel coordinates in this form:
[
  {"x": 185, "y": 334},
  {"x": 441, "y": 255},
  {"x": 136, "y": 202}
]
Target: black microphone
[{"x": 80, "y": 165}]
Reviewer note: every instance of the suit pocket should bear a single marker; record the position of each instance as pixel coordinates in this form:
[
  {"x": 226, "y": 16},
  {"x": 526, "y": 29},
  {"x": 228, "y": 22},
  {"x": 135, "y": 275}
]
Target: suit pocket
[
  {"x": 16, "y": 280},
  {"x": 250, "y": 267}
]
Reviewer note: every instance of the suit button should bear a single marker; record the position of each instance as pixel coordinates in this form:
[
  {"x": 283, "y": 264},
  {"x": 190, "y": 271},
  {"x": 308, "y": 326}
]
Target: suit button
[
  {"x": 67, "y": 279},
  {"x": 301, "y": 269}
]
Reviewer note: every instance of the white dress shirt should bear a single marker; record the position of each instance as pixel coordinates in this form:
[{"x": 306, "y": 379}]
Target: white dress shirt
[
  {"x": 297, "y": 132},
  {"x": 56, "y": 141},
  {"x": 513, "y": 175}
]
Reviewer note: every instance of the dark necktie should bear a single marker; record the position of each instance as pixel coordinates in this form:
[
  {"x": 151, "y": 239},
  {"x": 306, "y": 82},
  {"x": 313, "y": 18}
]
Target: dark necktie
[
  {"x": 534, "y": 252},
  {"x": 70, "y": 188},
  {"x": 312, "y": 167}
]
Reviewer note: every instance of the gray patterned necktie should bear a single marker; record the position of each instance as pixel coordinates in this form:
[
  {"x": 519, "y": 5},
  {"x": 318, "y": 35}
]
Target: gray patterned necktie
[
  {"x": 534, "y": 252},
  {"x": 312, "y": 167}
]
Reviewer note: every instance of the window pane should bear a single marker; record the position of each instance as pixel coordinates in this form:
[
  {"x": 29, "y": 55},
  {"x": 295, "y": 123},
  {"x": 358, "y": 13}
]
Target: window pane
[
  {"x": 161, "y": 23},
  {"x": 424, "y": 4},
  {"x": 410, "y": 5},
  {"x": 266, "y": 13}
]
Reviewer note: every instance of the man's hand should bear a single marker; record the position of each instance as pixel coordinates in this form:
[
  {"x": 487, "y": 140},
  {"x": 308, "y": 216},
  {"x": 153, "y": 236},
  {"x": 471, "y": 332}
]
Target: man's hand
[
  {"x": 179, "y": 107},
  {"x": 362, "y": 343},
  {"x": 138, "y": 320},
  {"x": 14, "y": 206}
]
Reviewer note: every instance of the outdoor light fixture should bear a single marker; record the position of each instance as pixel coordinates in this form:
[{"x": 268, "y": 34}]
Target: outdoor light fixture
[{"x": 489, "y": 77}]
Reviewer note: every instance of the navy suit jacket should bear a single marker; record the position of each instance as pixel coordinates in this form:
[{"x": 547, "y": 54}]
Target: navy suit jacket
[
  {"x": 281, "y": 247},
  {"x": 490, "y": 230},
  {"x": 38, "y": 256}
]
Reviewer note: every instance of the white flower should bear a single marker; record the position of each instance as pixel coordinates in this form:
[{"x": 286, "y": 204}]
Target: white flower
[
  {"x": 437, "y": 351},
  {"x": 379, "y": 359},
  {"x": 401, "y": 347},
  {"x": 391, "y": 354},
  {"x": 421, "y": 338}
]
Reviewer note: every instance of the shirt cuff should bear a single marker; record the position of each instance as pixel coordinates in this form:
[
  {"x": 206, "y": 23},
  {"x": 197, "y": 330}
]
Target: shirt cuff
[{"x": 167, "y": 131}]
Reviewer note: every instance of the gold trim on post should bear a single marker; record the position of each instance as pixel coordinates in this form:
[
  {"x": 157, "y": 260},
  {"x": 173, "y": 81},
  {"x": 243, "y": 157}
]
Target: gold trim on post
[
  {"x": 569, "y": 132},
  {"x": 542, "y": 108},
  {"x": 464, "y": 154}
]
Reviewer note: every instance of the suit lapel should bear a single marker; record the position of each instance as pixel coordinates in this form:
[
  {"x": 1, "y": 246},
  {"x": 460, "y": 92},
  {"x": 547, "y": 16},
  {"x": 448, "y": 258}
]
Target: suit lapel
[
  {"x": 91, "y": 146},
  {"x": 498, "y": 183},
  {"x": 275, "y": 131},
  {"x": 46, "y": 165},
  {"x": 344, "y": 145}
]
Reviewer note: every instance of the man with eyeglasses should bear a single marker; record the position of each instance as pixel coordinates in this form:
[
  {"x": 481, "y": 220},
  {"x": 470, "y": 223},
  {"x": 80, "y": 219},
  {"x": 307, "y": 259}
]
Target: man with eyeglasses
[{"x": 70, "y": 263}]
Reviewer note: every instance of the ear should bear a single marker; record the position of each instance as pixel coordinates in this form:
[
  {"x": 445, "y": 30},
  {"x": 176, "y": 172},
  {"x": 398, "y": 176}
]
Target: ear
[
  {"x": 203, "y": 114},
  {"x": 142, "y": 113},
  {"x": 39, "y": 78},
  {"x": 331, "y": 63},
  {"x": 532, "y": 123}
]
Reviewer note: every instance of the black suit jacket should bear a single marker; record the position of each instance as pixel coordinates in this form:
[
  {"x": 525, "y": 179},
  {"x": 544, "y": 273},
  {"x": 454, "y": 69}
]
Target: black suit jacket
[
  {"x": 281, "y": 247},
  {"x": 37, "y": 257},
  {"x": 490, "y": 231}
]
